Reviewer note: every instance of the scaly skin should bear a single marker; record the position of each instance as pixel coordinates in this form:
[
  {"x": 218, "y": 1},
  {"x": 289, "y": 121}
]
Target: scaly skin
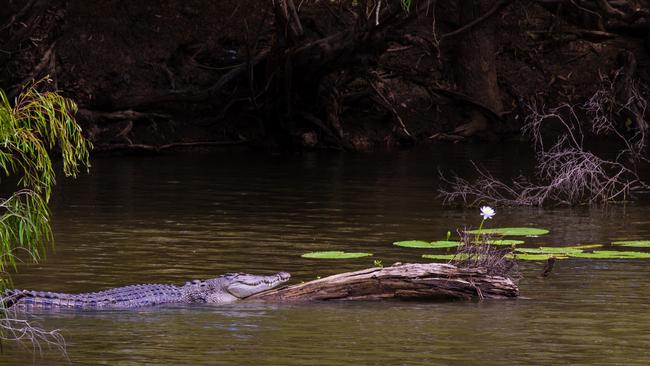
[{"x": 220, "y": 290}]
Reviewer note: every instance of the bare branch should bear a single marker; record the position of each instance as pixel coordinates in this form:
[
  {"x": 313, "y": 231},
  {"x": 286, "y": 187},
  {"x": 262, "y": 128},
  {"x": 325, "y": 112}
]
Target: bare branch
[
  {"x": 567, "y": 173},
  {"x": 30, "y": 335}
]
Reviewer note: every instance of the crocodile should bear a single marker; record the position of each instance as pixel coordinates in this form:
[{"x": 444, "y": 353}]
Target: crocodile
[{"x": 224, "y": 289}]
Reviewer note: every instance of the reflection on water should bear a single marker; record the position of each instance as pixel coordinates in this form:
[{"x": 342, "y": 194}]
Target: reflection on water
[{"x": 176, "y": 218}]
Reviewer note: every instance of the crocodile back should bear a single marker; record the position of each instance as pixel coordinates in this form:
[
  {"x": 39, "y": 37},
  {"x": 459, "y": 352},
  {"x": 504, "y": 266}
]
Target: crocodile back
[{"x": 116, "y": 298}]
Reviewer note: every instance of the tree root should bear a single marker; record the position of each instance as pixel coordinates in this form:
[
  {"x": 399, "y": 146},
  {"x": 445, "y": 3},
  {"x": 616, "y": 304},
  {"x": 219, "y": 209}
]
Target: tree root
[
  {"x": 160, "y": 148},
  {"x": 128, "y": 114}
]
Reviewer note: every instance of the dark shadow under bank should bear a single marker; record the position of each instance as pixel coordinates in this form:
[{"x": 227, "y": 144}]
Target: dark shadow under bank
[{"x": 144, "y": 75}]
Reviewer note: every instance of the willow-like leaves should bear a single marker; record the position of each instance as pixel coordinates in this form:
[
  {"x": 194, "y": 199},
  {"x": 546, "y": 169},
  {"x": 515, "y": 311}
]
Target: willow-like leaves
[{"x": 36, "y": 126}]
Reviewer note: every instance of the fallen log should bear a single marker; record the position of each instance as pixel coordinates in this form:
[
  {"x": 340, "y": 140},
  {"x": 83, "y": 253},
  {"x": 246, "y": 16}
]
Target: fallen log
[{"x": 417, "y": 281}]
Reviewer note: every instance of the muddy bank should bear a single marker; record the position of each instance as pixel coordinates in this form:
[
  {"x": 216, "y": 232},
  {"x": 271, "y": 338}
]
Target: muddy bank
[{"x": 177, "y": 73}]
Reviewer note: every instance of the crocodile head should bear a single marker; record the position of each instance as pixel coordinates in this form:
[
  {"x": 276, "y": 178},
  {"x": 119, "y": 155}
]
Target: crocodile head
[
  {"x": 243, "y": 285},
  {"x": 232, "y": 287}
]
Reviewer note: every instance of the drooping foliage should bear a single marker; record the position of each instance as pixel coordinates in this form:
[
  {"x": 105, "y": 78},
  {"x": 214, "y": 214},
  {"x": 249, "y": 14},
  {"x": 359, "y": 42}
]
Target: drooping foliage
[{"x": 36, "y": 127}]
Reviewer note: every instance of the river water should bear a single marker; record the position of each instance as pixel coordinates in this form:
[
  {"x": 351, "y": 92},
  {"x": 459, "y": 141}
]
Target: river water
[{"x": 169, "y": 219}]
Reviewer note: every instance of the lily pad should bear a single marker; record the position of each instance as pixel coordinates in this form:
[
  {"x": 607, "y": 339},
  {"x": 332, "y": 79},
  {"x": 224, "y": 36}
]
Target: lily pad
[
  {"x": 611, "y": 254},
  {"x": 534, "y": 257},
  {"x": 440, "y": 257},
  {"x": 549, "y": 250},
  {"x": 504, "y": 242},
  {"x": 586, "y": 246},
  {"x": 633, "y": 243},
  {"x": 426, "y": 244},
  {"x": 512, "y": 231},
  {"x": 335, "y": 255},
  {"x": 446, "y": 257}
]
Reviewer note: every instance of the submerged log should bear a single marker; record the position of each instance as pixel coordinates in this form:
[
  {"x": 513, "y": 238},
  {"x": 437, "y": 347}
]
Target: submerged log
[{"x": 421, "y": 281}]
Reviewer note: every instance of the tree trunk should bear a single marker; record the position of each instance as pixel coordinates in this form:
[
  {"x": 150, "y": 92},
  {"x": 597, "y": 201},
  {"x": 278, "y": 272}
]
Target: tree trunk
[
  {"x": 476, "y": 71},
  {"x": 421, "y": 281}
]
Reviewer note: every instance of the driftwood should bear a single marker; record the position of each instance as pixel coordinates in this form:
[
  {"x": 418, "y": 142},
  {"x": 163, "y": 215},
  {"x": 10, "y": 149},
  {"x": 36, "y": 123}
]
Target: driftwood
[{"x": 430, "y": 281}]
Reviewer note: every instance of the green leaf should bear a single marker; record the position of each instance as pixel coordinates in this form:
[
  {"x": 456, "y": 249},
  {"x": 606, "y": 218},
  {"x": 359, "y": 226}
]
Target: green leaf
[
  {"x": 611, "y": 254},
  {"x": 511, "y": 231},
  {"x": 335, "y": 254},
  {"x": 633, "y": 243},
  {"x": 30, "y": 127},
  {"x": 503, "y": 242},
  {"x": 426, "y": 244},
  {"x": 586, "y": 246},
  {"x": 446, "y": 257},
  {"x": 534, "y": 257},
  {"x": 412, "y": 244},
  {"x": 20, "y": 232},
  {"x": 406, "y": 5},
  {"x": 549, "y": 250}
]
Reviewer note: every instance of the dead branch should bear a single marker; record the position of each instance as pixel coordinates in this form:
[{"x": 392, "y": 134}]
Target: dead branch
[
  {"x": 567, "y": 172},
  {"x": 430, "y": 281},
  {"x": 29, "y": 334},
  {"x": 476, "y": 252},
  {"x": 626, "y": 91}
]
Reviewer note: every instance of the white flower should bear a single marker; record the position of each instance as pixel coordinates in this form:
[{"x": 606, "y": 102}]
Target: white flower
[{"x": 487, "y": 212}]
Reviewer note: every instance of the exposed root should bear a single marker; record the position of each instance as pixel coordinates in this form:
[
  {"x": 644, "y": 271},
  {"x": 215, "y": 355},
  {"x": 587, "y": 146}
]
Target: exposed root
[
  {"x": 45, "y": 66},
  {"x": 377, "y": 86},
  {"x": 160, "y": 148},
  {"x": 495, "y": 8}
]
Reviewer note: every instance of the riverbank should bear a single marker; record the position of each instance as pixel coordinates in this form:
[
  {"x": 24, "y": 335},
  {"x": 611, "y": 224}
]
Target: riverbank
[{"x": 140, "y": 74}]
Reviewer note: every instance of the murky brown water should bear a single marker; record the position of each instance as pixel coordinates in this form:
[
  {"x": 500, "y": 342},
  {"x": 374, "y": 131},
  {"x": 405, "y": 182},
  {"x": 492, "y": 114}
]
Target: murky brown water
[{"x": 175, "y": 218}]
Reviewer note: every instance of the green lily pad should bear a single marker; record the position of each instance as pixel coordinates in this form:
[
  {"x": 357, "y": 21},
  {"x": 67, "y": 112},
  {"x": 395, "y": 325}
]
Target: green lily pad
[
  {"x": 633, "y": 243},
  {"x": 549, "y": 250},
  {"x": 611, "y": 254},
  {"x": 503, "y": 242},
  {"x": 444, "y": 244},
  {"x": 586, "y": 246},
  {"x": 412, "y": 244},
  {"x": 535, "y": 257},
  {"x": 512, "y": 231},
  {"x": 446, "y": 257},
  {"x": 335, "y": 255},
  {"x": 426, "y": 244}
]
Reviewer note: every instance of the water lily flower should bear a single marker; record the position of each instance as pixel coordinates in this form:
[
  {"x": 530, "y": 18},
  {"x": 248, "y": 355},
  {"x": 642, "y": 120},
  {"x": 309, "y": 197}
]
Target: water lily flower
[{"x": 487, "y": 212}]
